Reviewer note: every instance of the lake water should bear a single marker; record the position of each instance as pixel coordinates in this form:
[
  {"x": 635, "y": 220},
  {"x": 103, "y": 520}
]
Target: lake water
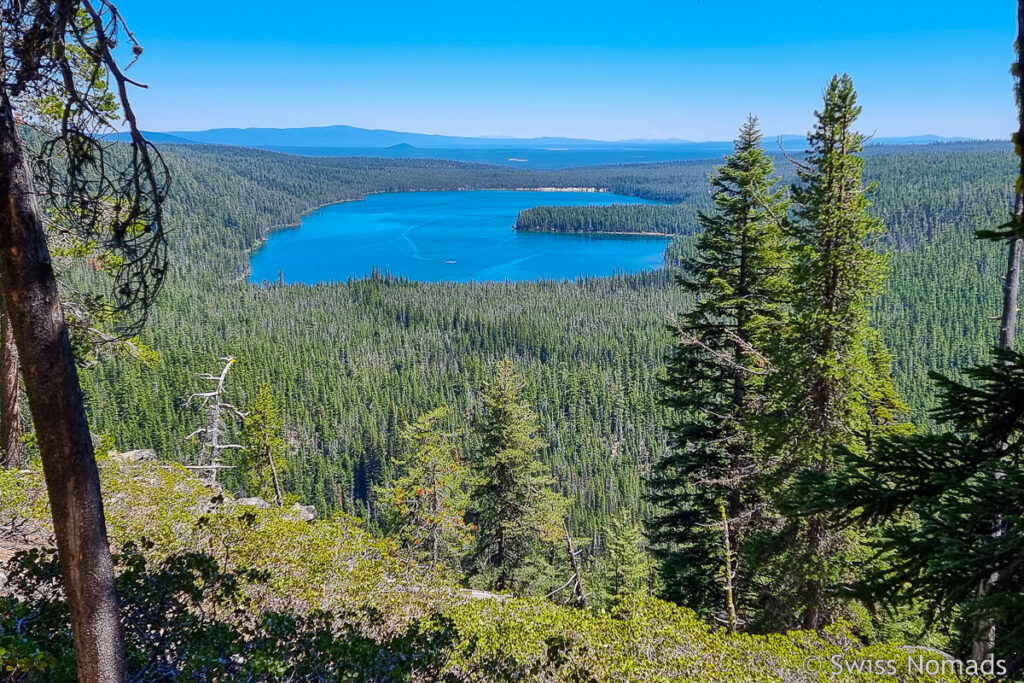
[
  {"x": 532, "y": 157},
  {"x": 449, "y": 236}
]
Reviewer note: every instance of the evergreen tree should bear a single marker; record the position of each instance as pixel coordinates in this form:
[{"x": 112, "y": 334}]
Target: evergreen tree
[
  {"x": 627, "y": 568},
  {"x": 260, "y": 461},
  {"x": 832, "y": 372},
  {"x": 715, "y": 375},
  {"x": 515, "y": 509},
  {"x": 951, "y": 500},
  {"x": 429, "y": 498},
  {"x": 936, "y": 494}
]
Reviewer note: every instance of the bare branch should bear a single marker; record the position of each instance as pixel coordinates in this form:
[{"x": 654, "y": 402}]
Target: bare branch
[
  {"x": 213, "y": 430},
  {"x": 725, "y": 359}
]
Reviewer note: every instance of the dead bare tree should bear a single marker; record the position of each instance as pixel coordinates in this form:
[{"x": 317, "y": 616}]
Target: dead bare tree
[
  {"x": 61, "y": 53},
  {"x": 579, "y": 592},
  {"x": 213, "y": 433},
  {"x": 730, "y": 604}
]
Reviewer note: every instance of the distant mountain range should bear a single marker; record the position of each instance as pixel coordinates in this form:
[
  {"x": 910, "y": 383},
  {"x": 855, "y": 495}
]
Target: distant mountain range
[
  {"x": 363, "y": 138},
  {"x": 551, "y": 152}
]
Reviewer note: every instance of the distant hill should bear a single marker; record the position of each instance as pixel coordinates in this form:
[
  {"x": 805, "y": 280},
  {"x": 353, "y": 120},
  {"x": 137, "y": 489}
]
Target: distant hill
[
  {"x": 537, "y": 153},
  {"x": 799, "y": 142},
  {"x": 154, "y": 137},
  {"x": 350, "y": 136},
  {"x": 363, "y": 138}
]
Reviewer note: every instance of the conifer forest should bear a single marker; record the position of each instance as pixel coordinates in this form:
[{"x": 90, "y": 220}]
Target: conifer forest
[{"x": 787, "y": 451}]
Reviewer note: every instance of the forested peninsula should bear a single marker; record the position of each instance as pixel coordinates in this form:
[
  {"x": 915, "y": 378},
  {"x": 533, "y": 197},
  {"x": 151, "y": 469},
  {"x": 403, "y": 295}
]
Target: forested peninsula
[
  {"x": 781, "y": 442},
  {"x": 590, "y": 350},
  {"x": 350, "y": 365}
]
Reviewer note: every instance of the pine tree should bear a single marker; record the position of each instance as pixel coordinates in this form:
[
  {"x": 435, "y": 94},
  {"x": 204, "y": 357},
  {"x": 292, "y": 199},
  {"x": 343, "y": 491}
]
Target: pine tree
[
  {"x": 936, "y": 494},
  {"x": 62, "y": 53},
  {"x": 715, "y": 375},
  {"x": 950, "y": 501},
  {"x": 430, "y": 496},
  {"x": 260, "y": 461},
  {"x": 832, "y": 373},
  {"x": 627, "y": 569},
  {"x": 514, "y": 507}
]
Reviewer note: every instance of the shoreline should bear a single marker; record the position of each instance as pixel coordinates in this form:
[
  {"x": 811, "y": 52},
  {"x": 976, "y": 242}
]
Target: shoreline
[
  {"x": 600, "y": 232},
  {"x": 298, "y": 222},
  {"x": 562, "y": 189}
]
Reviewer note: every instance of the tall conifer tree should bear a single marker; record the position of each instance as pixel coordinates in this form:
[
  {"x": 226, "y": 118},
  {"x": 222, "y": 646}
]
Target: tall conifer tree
[
  {"x": 833, "y": 373},
  {"x": 715, "y": 376},
  {"x": 261, "y": 460}
]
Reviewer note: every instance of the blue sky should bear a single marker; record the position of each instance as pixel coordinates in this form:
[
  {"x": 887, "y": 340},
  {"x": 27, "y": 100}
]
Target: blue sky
[{"x": 608, "y": 70}]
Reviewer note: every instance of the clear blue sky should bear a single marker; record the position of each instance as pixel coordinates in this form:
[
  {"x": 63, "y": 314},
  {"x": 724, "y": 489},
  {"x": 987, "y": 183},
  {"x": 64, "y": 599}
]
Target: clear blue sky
[{"x": 608, "y": 70}]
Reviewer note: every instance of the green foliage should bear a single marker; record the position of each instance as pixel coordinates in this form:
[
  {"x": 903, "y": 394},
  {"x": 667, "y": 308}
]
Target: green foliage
[
  {"x": 648, "y": 640},
  {"x": 947, "y": 502},
  {"x": 626, "y": 569},
  {"x": 332, "y": 563},
  {"x": 430, "y": 494},
  {"x": 832, "y": 377},
  {"x": 188, "y": 619},
  {"x": 261, "y": 461},
  {"x": 617, "y": 218},
  {"x": 515, "y": 511},
  {"x": 715, "y": 378}
]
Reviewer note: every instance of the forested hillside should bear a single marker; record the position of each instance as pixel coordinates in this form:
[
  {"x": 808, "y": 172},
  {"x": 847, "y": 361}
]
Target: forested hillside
[
  {"x": 351, "y": 363},
  {"x": 258, "y": 422}
]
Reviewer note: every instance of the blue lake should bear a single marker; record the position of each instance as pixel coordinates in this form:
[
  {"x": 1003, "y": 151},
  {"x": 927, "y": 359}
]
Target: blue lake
[
  {"x": 449, "y": 236},
  {"x": 534, "y": 157}
]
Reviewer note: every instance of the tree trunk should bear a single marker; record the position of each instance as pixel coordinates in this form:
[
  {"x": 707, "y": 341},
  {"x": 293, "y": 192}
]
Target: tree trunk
[
  {"x": 1011, "y": 286},
  {"x": 10, "y": 403},
  {"x": 1008, "y": 326},
  {"x": 31, "y": 300},
  {"x": 814, "y": 590},
  {"x": 730, "y": 604},
  {"x": 579, "y": 592},
  {"x": 278, "y": 495},
  {"x": 985, "y": 638}
]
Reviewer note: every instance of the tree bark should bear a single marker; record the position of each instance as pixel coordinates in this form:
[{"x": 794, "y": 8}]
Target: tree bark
[
  {"x": 1008, "y": 325},
  {"x": 579, "y": 592},
  {"x": 1011, "y": 286},
  {"x": 985, "y": 639},
  {"x": 31, "y": 300},
  {"x": 10, "y": 403}
]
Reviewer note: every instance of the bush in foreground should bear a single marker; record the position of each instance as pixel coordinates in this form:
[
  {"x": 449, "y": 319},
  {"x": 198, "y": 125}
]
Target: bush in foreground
[{"x": 216, "y": 591}]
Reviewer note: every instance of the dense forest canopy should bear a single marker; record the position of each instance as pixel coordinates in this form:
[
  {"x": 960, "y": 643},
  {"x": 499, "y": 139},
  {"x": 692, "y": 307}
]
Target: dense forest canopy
[
  {"x": 352, "y": 363},
  {"x": 617, "y": 218},
  {"x": 793, "y": 452}
]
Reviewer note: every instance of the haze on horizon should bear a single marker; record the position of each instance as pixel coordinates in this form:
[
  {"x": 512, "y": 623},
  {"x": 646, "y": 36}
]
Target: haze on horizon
[{"x": 687, "y": 69}]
